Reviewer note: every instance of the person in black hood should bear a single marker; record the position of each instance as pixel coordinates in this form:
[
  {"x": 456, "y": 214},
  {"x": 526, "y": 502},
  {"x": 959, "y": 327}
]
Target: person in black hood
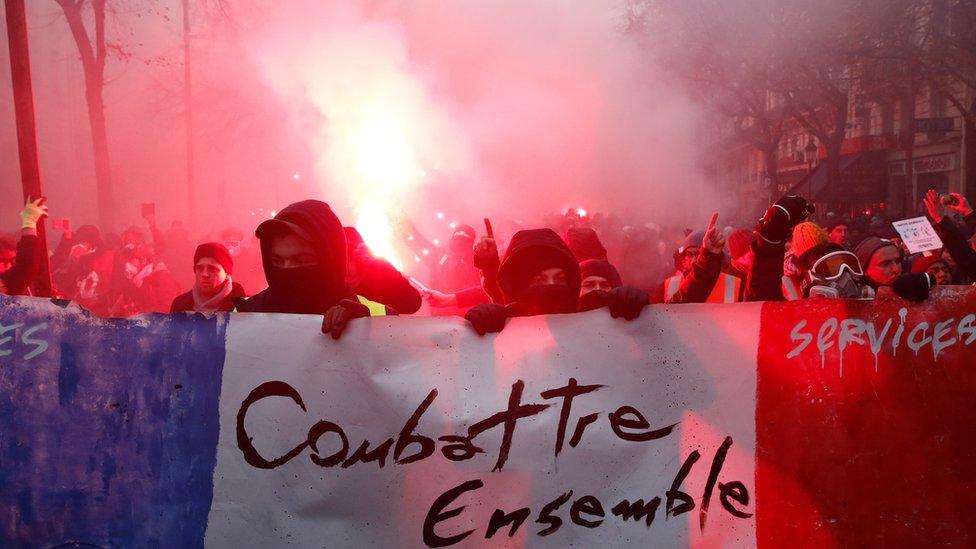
[
  {"x": 303, "y": 251},
  {"x": 539, "y": 275}
]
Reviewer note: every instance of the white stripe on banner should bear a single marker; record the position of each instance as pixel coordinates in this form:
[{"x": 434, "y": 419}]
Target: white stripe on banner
[{"x": 308, "y": 484}]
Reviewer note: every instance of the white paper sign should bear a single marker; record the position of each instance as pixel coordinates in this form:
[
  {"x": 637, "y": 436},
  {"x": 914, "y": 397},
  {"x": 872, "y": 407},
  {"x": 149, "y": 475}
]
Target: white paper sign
[{"x": 918, "y": 234}]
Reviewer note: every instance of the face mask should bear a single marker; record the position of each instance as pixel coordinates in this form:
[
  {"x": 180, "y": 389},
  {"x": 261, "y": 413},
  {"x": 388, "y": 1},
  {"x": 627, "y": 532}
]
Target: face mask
[
  {"x": 548, "y": 298},
  {"x": 593, "y": 300},
  {"x": 297, "y": 279},
  {"x": 846, "y": 286}
]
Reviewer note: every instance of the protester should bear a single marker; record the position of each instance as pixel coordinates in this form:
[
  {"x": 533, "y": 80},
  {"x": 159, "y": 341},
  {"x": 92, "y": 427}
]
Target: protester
[
  {"x": 140, "y": 282},
  {"x": 935, "y": 265},
  {"x": 585, "y": 243},
  {"x": 213, "y": 288},
  {"x": 598, "y": 277},
  {"x": 796, "y": 264},
  {"x": 837, "y": 229},
  {"x": 952, "y": 237},
  {"x": 741, "y": 256},
  {"x": 8, "y": 253},
  {"x": 82, "y": 266},
  {"x": 303, "y": 250},
  {"x": 539, "y": 275},
  {"x": 831, "y": 271},
  {"x": 377, "y": 279},
  {"x": 453, "y": 274},
  {"x": 16, "y": 279},
  {"x": 883, "y": 260},
  {"x": 698, "y": 277}
]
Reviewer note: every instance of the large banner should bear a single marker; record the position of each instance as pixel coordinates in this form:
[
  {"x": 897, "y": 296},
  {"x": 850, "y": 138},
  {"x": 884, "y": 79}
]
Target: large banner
[{"x": 822, "y": 423}]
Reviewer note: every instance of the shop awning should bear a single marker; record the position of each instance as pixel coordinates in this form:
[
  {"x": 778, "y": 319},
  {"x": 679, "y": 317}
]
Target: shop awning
[{"x": 861, "y": 178}]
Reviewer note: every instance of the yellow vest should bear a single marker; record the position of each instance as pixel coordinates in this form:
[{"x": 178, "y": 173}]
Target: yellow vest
[
  {"x": 726, "y": 289},
  {"x": 375, "y": 309}
]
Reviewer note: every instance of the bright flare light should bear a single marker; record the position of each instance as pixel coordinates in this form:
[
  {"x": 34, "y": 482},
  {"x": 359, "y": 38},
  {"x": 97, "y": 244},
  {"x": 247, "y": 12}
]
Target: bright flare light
[
  {"x": 384, "y": 157},
  {"x": 373, "y": 223},
  {"x": 581, "y": 212}
]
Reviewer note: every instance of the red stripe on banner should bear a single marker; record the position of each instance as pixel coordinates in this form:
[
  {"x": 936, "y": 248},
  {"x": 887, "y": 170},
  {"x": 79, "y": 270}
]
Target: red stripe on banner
[{"x": 865, "y": 422}]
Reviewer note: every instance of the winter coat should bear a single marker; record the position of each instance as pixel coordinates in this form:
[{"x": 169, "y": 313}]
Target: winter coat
[{"x": 184, "y": 302}]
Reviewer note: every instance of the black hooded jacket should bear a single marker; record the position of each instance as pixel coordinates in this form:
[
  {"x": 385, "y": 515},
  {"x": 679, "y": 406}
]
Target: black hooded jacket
[
  {"x": 314, "y": 221},
  {"x": 532, "y": 251}
]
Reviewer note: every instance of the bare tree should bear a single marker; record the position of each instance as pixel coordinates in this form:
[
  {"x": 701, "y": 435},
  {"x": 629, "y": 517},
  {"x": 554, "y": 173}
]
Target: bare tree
[
  {"x": 947, "y": 62},
  {"x": 91, "y": 48}
]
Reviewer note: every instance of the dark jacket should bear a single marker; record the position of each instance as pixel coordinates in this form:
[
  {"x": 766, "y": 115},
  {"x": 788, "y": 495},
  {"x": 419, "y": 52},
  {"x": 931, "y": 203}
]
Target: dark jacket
[
  {"x": 17, "y": 280},
  {"x": 697, "y": 284},
  {"x": 530, "y": 252},
  {"x": 316, "y": 222},
  {"x": 958, "y": 247},
  {"x": 184, "y": 302},
  {"x": 378, "y": 280},
  {"x": 763, "y": 282}
]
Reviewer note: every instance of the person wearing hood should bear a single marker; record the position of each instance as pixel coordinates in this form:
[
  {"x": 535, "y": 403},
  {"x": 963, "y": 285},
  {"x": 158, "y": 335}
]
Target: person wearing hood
[
  {"x": 213, "y": 288},
  {"x": 585, "y": 244},
  {"x": 538, "y": 276},
  {"x": 303, "y": 251},
  {"x": 377, "y": 279},
  {"x": 20, "y": 268},
  {"x": 598, "y": 278}
]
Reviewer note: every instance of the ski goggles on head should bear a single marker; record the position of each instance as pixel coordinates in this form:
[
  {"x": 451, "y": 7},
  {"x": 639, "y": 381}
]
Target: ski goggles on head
[{"x": 832, "y": 265}]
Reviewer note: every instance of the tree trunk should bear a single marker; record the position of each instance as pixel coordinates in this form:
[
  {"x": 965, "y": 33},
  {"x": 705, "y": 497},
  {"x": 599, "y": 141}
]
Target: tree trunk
[
  {"x": 93, "y": 63},
  {"x": 103, "y": 171}
]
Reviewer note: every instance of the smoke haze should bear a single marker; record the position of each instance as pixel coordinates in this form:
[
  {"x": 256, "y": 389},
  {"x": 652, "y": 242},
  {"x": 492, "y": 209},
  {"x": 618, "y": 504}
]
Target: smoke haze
[{"x": 508, "y": 109}]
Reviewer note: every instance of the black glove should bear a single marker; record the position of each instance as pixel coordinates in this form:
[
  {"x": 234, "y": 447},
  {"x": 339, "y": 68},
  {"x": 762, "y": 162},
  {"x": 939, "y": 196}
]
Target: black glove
[
  {"x": 337, "y": 317},
  {"x": 780, "y": 218},
  {"x": 913, "y": 287},
  {"x": 627, "y": 302},
  {"x": 487, "y": 318},
  {"x": 485, "y": 256}
]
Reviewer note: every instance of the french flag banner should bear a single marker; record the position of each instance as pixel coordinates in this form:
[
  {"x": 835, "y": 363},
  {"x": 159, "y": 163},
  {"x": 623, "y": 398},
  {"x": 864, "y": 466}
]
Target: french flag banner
[{"x": 820, "y": 423}]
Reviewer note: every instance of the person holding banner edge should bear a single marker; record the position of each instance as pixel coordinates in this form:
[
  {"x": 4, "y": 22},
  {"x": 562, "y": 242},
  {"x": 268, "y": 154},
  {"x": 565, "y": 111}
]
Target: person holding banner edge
[
  {"x": 303, "y": 250},
  {"x": 539, "y": 275}
]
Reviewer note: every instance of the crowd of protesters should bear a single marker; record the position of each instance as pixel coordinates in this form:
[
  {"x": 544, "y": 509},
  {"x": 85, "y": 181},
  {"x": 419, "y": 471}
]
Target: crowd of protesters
[{"x": 304, "y": 260}]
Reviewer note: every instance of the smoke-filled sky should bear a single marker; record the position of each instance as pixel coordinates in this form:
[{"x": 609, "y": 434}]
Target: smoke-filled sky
[{"x": 508, "y": 109}]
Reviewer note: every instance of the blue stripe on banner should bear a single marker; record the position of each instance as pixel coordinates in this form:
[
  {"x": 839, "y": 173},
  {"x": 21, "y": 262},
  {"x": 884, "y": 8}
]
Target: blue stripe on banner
[{"x": 108, "y": 428}]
